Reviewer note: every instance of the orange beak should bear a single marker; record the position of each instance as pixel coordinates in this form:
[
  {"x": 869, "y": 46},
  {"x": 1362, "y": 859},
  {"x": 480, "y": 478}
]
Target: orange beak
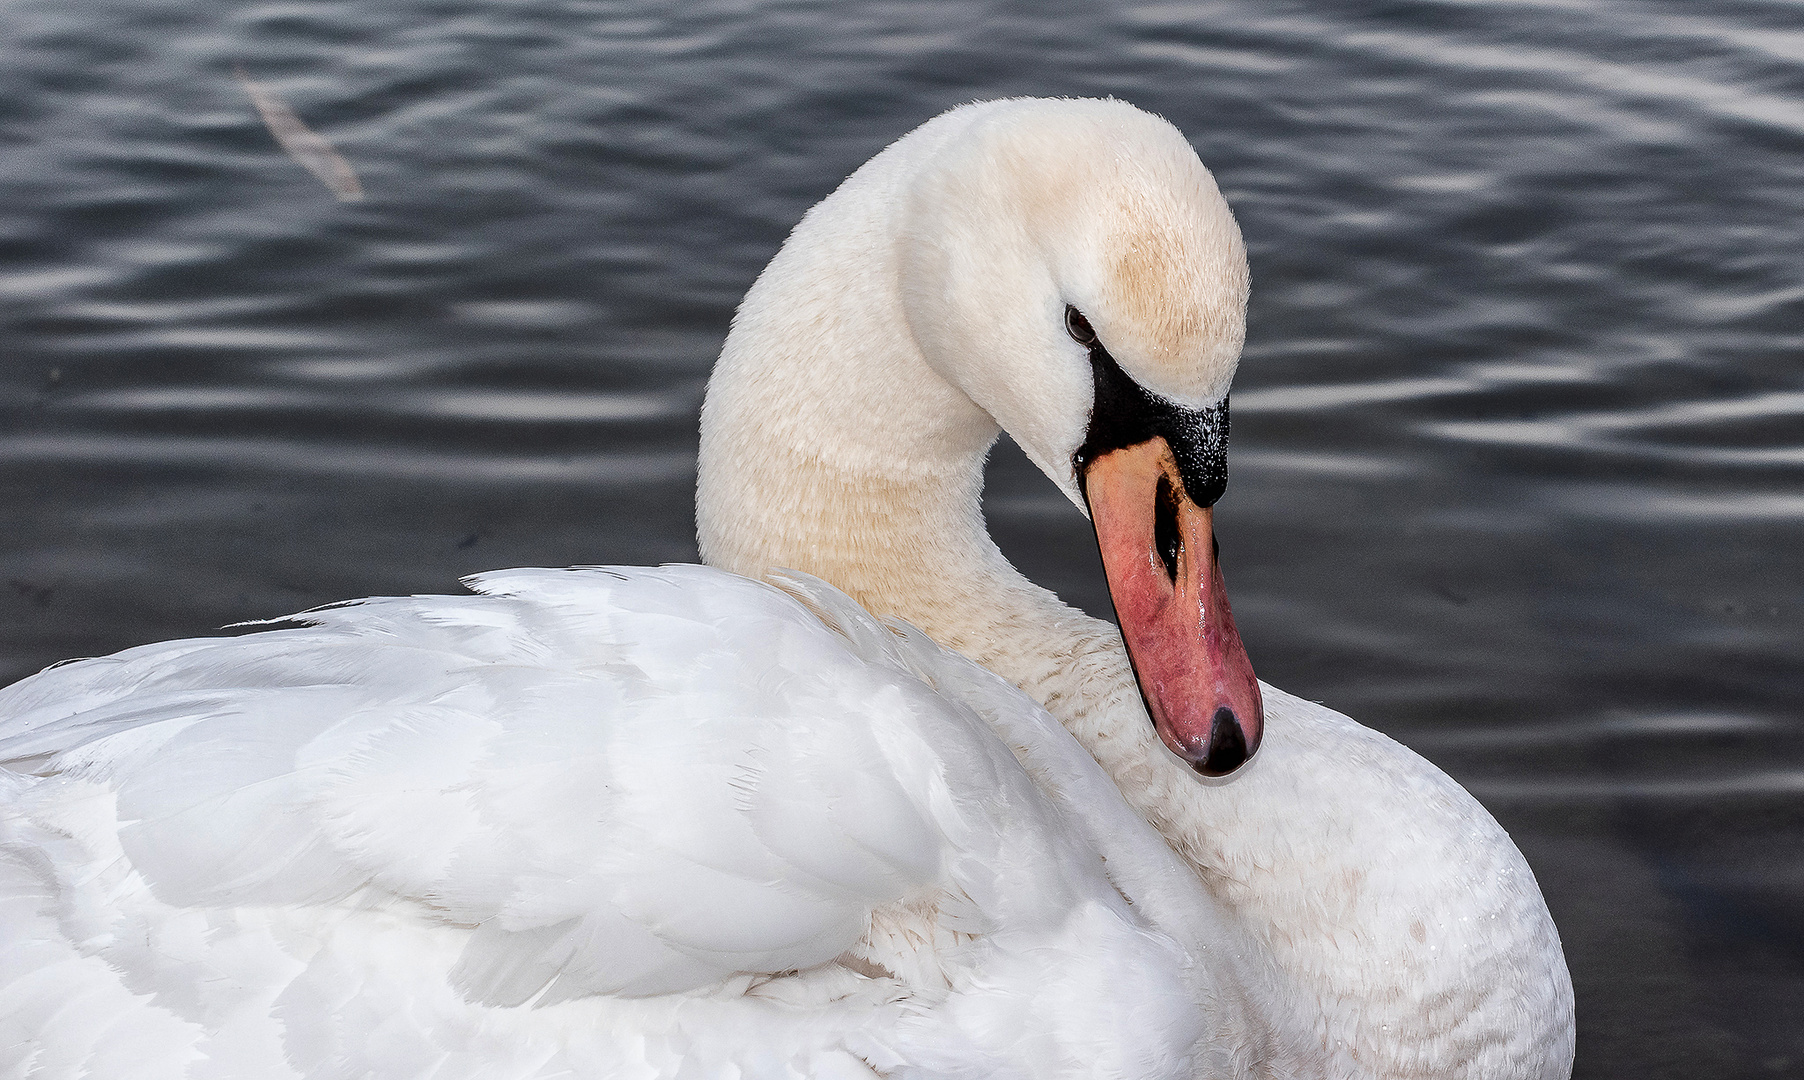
[{"x": 1158, "y": 549}]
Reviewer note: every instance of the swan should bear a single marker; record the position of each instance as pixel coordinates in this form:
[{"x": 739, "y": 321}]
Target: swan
[{"x": 721, "y": 820}]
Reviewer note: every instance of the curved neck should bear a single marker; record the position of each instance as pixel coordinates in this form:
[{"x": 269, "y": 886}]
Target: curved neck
[{"x": 829, "y": 445}]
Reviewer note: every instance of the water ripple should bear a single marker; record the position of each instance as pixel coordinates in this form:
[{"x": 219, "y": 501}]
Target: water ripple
[
  {"x": 1750, "y": 785},
  {"x": 477, "y": 405},
  {"x": 318, "y": 458}
]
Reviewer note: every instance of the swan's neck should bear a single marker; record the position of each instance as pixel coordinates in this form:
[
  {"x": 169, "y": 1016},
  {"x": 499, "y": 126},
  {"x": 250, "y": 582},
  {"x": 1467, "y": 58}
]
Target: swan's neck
[{"x": 830, "y": 446}]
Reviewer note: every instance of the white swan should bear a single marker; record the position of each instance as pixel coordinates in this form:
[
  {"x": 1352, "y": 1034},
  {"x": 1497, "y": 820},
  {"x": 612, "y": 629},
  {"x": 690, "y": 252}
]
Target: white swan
[{"x": 680, "y": 823}]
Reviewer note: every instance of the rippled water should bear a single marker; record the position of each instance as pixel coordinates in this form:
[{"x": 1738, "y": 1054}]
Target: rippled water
[{"x": 1519, "y": 435}]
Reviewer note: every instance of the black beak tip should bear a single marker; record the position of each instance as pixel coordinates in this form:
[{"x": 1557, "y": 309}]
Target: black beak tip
[{"x": 1227, "y": 745}]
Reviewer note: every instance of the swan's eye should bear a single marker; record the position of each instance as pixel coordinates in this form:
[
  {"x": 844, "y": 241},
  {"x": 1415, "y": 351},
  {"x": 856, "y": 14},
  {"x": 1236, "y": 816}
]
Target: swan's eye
[{"x": 1079, "y": 327}]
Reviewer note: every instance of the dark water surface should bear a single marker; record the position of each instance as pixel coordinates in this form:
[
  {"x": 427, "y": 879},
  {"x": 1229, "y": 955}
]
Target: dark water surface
[{"x": 1518, "y": 473}]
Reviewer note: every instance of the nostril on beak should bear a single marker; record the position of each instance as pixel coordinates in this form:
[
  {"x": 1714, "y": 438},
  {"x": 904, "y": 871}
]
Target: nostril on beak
[
  {"x": 1168, "y": 539},
  {"x": 1227, "y": 745}
]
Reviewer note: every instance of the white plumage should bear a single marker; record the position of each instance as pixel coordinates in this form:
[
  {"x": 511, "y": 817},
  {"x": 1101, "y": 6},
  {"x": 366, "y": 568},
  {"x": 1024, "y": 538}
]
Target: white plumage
[
  {"x": 358, "y": 846},
  {"x": 679, "y": 823}
]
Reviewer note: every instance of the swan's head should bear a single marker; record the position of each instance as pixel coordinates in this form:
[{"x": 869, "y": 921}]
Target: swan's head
[{"x": 1073, "y": 269}]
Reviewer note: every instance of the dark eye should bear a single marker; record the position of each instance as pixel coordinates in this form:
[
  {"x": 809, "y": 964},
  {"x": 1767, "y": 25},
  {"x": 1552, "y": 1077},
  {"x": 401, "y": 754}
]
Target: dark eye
[{"x": 1079, "y": 327}]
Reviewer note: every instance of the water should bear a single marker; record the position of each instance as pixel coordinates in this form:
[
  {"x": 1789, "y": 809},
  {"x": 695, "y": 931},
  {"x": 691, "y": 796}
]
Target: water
[{"x": 1519, "y": 434}]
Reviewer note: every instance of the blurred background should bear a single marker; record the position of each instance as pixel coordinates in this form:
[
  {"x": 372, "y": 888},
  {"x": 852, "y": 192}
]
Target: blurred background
[{"x": 1518, "y": 460}]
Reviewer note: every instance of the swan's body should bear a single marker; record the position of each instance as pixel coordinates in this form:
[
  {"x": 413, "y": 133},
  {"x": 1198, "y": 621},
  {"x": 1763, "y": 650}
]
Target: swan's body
[
  {"x": 678, "y": 823},
  {"x": 357, "y": 848}
]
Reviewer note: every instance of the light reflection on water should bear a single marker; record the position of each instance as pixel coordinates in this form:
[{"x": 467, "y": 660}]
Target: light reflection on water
[{"x": 1518, "y": 441}]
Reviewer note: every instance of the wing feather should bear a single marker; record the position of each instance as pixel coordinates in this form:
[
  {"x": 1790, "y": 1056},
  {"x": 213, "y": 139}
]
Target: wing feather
[{"x": 628, "y": 782}]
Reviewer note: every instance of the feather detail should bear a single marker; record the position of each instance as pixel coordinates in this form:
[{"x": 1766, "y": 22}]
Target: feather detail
[{"x": 572, "y": 790}]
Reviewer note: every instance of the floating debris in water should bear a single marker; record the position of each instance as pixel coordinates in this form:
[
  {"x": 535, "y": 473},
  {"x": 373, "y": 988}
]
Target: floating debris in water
[{"x": 303, "y": 144}]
